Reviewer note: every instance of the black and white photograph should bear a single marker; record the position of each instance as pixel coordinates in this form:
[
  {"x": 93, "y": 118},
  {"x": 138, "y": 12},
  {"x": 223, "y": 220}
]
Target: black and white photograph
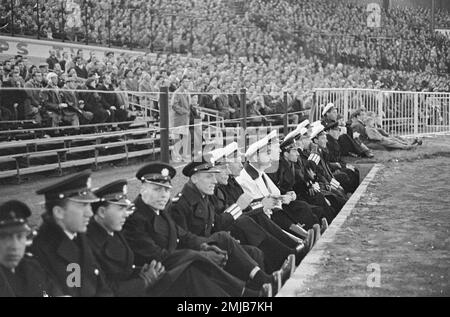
[{"x": 224, "y": 153}]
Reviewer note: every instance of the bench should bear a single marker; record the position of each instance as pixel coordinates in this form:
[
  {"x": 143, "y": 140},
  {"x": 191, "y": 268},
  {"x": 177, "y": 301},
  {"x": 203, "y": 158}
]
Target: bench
[{"x": 62, "y": 153}]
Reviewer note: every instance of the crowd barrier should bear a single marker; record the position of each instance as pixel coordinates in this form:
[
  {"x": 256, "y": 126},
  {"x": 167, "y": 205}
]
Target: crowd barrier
[{"x": 402, "y": 112}]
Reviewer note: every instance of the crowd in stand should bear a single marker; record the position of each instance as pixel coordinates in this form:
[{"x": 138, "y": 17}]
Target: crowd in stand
[{"x": 324, "y": 53}]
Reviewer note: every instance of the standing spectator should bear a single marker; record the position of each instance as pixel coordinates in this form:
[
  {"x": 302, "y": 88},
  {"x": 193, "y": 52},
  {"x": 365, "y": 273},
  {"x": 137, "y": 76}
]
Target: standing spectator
[
  {"x": 52, "y": 60},
  {"x": 179, "y": 114}
]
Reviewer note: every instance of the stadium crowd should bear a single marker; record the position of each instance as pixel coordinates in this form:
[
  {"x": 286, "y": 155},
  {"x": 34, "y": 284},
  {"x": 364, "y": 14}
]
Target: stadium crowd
[{"x": 286, "y": 33}]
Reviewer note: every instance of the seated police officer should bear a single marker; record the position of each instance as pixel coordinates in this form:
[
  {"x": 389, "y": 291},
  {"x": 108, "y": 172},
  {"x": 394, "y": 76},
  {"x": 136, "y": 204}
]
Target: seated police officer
[
  {"x": 61, "y": 245},
  {"x": 153, "y": 235},
  {"x": 20, "y": 274}
]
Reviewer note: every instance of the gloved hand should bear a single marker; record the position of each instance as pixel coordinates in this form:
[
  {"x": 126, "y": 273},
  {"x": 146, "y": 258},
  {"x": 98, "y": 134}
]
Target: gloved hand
[{"x": 151, "y": 273}]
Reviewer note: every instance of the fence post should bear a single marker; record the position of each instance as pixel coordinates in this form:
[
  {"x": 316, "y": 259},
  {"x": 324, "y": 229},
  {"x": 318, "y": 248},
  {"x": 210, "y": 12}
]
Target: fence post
[
  {"x": 314, "y": 107},
  {"x": 38, "y": 21},
  {"x": 346, "y": 97},
  {"x": 285, "y": 119},
  {"x": 380, "y": 103},
  {"x": 416, "y": 113},
  {"x": 164, "y": 123},
  {"x": 12, "y": 17},
  {"x": 244, "y": 116}
]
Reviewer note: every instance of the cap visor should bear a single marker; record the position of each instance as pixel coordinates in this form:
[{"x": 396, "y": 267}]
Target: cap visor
[
  {"x": 166, "y": 185},
  {"x": 15, "y": 228},
  {"x": 88, "y": 198}
]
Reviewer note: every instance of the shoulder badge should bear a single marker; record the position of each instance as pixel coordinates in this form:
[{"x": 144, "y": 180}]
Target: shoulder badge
[{"x": 177, "y": 198}]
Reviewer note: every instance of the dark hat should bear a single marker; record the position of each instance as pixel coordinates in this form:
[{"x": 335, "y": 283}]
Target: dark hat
[
  {"x": 288, "y": 144},
  {"x": 200, "y": 166},
  {"x": 114, "y": 193},
  {"x": 157, "y": 173},
  {"x": 13, "y": 216},
  {"x": 75, "y": 188},
  {"x": 109, "y": 53},
  {"x": 332, "y": 126}
]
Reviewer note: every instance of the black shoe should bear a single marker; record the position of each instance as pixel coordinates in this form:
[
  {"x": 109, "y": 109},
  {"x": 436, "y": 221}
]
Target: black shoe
[
  {"x": 420, "y": 142},
  {"x": 309, "y": 241},
  {"x": 324, "y": 226},
  {"x": 300, "y": 252},
  {"x": 317, "y": 234}
]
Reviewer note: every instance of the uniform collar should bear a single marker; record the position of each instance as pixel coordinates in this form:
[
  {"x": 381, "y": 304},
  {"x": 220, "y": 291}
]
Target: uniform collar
[
  {"x": 70, "y": 235},
  {"x": 252, "y": 171},
  {"x": 191, "y": 193}
]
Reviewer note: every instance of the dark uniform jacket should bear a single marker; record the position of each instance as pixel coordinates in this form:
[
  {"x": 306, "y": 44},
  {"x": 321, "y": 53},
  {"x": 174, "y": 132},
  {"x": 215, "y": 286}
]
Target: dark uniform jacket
[
  {"x": 195, "y": 212},
  {"x": 153, "y": 237},
  {"x": 28, "y": 280},
  {"x": 55, "y": 251},
  {"x": 116, "y": 260}
]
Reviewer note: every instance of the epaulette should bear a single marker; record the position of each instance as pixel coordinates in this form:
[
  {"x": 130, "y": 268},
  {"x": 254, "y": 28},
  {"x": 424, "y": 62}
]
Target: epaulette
[{"x": 177, "y": 198}]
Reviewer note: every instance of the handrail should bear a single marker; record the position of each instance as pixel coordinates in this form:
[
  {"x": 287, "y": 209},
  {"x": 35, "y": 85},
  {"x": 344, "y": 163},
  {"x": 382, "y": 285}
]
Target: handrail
[{"x": 97, "y": 125}]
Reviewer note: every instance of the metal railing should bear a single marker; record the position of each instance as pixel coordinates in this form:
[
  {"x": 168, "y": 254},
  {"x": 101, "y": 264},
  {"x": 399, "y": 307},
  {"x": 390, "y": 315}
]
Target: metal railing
[{"x": 402, "y": 112}]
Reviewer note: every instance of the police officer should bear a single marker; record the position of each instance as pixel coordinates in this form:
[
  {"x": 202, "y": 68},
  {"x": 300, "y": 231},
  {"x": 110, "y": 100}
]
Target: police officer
[
  {"x": 61, "y": 245},
  {"x": 332, "y": 154},
  {"x": 20, "y": 274},
  {"x": 330, "y": 186},
  {"x": 193, "y": 211},
  {"x": 152, "y": 234}
]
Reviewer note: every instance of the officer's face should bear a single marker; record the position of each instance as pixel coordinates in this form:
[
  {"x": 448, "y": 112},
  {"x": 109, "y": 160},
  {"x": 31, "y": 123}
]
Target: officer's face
[
  {"x": 75, "y": 216},
  {"x": 292, "y": 155},
  {"x": 12, "y": 248},
  {"x": 155, "y": 196},
  {"x": 114, "y": 217},
  {"x": 322, "y": 141},
  {"x": 235, "y": 168},
  {"x": 205, "y": 182},
  {"x": 332, "y": 115},
  {"x": 222, "y": 177},
  {"x": 335, "y": 133}
]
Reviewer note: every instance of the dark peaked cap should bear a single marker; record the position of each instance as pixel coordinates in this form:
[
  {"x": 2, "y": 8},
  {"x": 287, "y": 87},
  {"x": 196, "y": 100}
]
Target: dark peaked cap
[
  {"x": 76, "y": 188},
  {"x": 14, "y": 213},
  {"x": 115, "y": 193},
  {"x": 157, "y": 173}
]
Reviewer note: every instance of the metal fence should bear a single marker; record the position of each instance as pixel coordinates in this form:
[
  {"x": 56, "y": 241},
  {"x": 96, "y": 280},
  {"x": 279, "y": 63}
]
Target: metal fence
[{"x": 402, "y": 113}]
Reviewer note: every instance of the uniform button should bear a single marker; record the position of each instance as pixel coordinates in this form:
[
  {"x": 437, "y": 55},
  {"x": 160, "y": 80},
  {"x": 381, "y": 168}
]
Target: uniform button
[
  {"x": 133, "y": 267},
  {"x": 96, "y": 272},
  {"x": 178, "y": 240}
]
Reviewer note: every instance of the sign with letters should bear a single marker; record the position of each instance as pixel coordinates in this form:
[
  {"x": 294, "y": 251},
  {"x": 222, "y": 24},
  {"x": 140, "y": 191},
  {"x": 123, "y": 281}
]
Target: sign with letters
[{"x": 40, "y": 48}]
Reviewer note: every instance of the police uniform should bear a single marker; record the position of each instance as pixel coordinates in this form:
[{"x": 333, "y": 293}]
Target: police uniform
[
  {"x": 329, "y": 186},
  {"x": 349, "y": 179},
  {"x": 154, "y": 235},
  {"x": 58, "y": 253},
  {"x": 117, "y": 261},
  {"x": 28, "y": 279},
  {"x": 195, "y": 213},
  {"x": 286, "y": 178}
]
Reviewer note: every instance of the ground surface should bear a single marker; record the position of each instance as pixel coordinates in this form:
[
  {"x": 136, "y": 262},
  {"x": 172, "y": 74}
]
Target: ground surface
[{"x": 401, "y": 224}]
